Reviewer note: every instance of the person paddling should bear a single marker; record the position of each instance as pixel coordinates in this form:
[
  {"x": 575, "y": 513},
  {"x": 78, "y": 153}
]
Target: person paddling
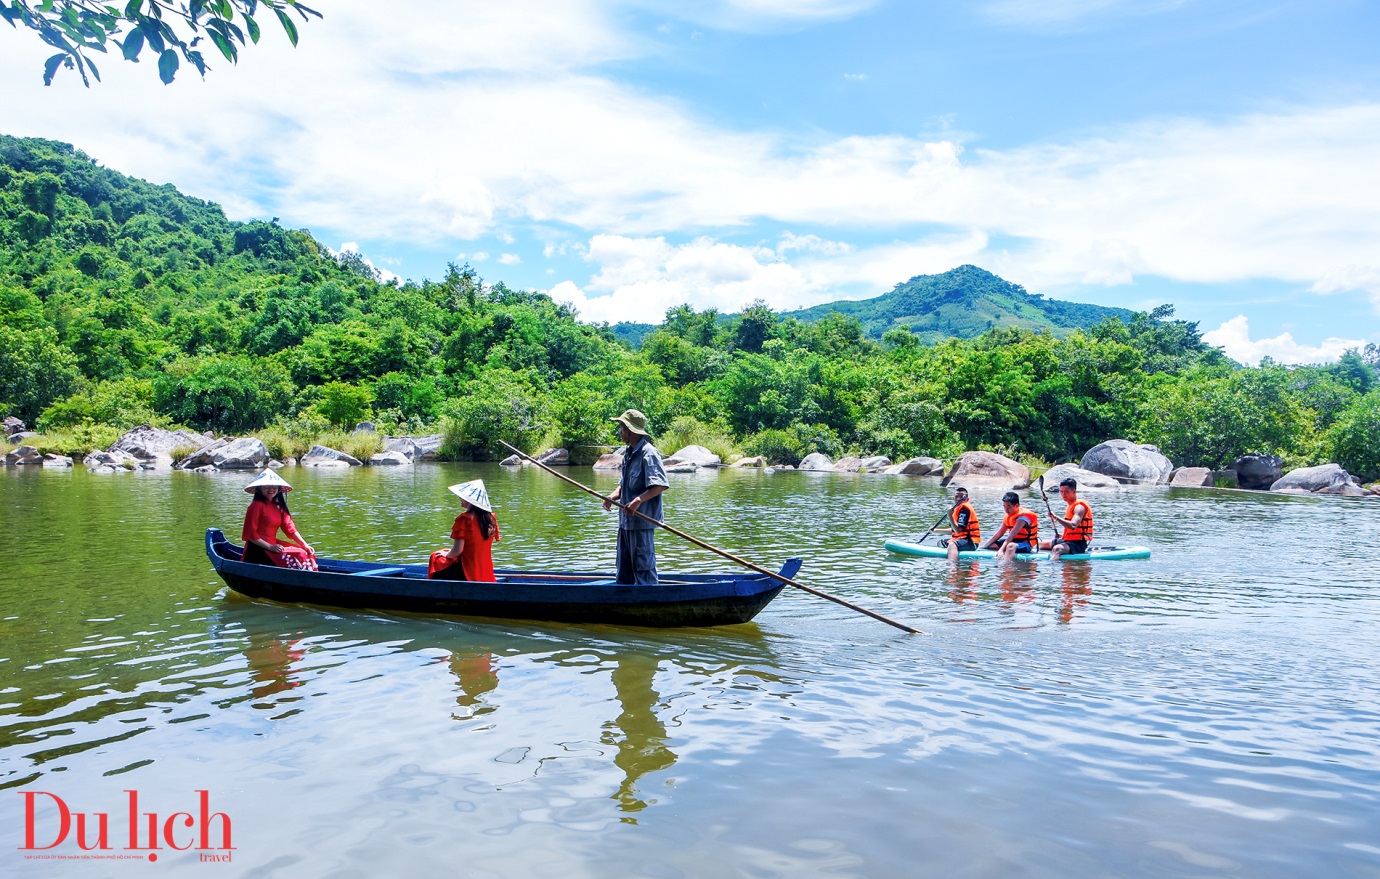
[
  {"x": 473, "y": 535},
  {"x": 964, "y": 534},
  {"x": 1077, "y": 523},
  {"x": 1019, "y": 532},
  {"x": 267, "y": 514}
]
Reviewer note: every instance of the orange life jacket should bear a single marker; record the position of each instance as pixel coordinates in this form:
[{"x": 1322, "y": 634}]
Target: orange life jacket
[
  {"x": 1083, "y": 530},
  {"x": 969, "y": 532},
  {"x": 1032, "y": 533}
]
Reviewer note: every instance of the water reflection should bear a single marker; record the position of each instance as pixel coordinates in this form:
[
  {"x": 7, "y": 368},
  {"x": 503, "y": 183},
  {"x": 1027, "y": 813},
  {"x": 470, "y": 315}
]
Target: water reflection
[
  {"x": 477, "y": 674},
  {"x": 1077, "y": 588},
  {"x": 271, "y": 659},
  {"x": 642, "y": 747}
]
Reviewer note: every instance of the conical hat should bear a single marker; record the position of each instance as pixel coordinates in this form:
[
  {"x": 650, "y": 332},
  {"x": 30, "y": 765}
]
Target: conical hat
[
  {"x": 474, "y": 493},
  {"x": 268, "y": 477}
]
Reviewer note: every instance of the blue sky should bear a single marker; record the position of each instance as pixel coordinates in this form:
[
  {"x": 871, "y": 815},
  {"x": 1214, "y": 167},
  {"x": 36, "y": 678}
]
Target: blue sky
[{"x": 630, "y": 156}]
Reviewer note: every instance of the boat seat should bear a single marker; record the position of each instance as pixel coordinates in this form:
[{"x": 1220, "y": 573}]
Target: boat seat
[{"x": 379, "y": 572}]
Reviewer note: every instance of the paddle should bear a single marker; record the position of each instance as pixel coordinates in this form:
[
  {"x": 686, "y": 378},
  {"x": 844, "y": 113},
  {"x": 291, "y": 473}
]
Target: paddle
[
  {"x": 934, "y": 526},
  {"x": 1048, "y": 509},
  {"x": 714, "y": 549}
]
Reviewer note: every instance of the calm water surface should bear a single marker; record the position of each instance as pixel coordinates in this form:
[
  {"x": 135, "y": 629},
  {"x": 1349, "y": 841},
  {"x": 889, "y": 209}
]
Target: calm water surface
[{"x": 1212, "y": 711}]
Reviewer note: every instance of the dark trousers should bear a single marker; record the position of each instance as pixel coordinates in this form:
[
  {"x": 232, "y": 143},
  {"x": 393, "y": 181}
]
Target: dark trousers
[{"x": 636, "y": 557}]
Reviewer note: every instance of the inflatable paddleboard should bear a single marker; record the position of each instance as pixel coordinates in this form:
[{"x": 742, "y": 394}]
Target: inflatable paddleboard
[{"x": 900, "y": 547}]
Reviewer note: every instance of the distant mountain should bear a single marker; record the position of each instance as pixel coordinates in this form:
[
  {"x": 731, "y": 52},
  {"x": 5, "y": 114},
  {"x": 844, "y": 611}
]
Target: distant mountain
[{"x": 964, "y": 302}]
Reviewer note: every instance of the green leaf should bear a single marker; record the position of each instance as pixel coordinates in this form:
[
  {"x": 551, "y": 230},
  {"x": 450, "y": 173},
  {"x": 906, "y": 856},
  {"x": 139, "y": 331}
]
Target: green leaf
[
  {"x": 288, "y": 26},
  {"x": 94, "y": 72},
  {"x": 134, "y": 44},
  {"x": 224, "y": 45},
  {"x": 155, "y": 38},
  {"x": 51, "y": 65},
  {"x": 253, "y": 27},
  {"x": 224, "y": 9},
  {"x": 167, "y": 66},
  {"x": 132, "y": 9}
]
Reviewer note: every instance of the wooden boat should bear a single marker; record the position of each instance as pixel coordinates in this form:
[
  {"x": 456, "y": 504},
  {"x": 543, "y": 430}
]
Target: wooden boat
[{"x": 678, "y": 600}]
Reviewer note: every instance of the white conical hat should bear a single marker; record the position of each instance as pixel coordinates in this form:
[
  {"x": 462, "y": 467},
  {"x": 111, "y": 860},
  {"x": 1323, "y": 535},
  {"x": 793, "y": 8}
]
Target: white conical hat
[
  {"x": 474, "y": 493},
  {"x": 268, "y": 477}
]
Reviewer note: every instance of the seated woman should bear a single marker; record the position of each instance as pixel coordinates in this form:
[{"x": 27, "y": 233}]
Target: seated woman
[
  {"x": 473, "y": 535},
  {"x": 268, "y": 513}
]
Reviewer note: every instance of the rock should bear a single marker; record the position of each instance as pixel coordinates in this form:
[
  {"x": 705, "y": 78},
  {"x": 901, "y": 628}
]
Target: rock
[
  {"x": 611, "y": 461},
  {"x": 1128, "y": 462},
  {"x": 21, "y": 436},
  {"x": 695, "y": 455},
  {"x": 1084, "y": 478},
  {"x": 151, "y": 443},
  {"x": 51, "y": 460},
  {"x": 364, "y": 427},
  {"x": 116, "y": 459},
  {"x": 847, "y": 465},
  {"x": 1324, "y": 479},
  {"x": 917, "y": 467},
  {"x": 1193, "y": 477},
  {"x": 554, "y": 457},
  {"x": 401, "y": 444},
  {"x": 754, "y": 461},
  {"x": 22, "y": 456},
  {"x": 277, "y": 465},
  {"x": 682, "y": 467},
  {"x": 320, "y": 456},
  {"x": 988, "y": 470},
  {"x": 1352, "y": 490},
  {"x": 511, "y": 461},
  {"x": 428, "y": 447},
  {"x": 11, "y": 425},
  {"x": 816, "y": 461},
  {"x": 874, "y": 464},
  {"x": 1258, "y": 472},
  {"x": 1224, "y": 479},
  {"x": 243, "y": 453},
  {"x": 387, "y": 458}
]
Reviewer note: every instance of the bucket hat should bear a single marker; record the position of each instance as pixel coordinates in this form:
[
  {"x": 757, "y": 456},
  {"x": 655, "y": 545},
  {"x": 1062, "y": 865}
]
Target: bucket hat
[
  {"x": 268, "y": 477},
  {"x": 474, "y": 493},
  {"x": 633, "y": 420}
]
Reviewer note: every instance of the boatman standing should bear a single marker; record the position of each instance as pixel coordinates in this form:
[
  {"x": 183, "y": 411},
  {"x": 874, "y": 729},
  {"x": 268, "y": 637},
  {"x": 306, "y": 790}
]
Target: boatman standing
[
  {"x": 639, "y": 490},
  {"x": 1077, "y": 523},
  {"x": 964, "y": 532}
]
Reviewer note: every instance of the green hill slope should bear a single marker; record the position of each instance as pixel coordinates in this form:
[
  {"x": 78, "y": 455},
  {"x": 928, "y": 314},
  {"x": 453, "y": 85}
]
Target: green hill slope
[{"x": 964, "y": 302}]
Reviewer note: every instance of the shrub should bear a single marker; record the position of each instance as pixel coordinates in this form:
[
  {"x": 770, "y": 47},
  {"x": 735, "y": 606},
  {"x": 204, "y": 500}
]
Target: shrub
[
  {"x": 777, "y": 446},
  {"x": 688, "y": 431},
  {"x": 1352, "y": 438}
]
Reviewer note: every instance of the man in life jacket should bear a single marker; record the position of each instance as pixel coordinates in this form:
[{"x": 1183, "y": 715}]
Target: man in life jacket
[
  {"x": 1019, "y": 531},
  {"x": 964, "y": 532},
  {"x": 1077, "y": 523}
]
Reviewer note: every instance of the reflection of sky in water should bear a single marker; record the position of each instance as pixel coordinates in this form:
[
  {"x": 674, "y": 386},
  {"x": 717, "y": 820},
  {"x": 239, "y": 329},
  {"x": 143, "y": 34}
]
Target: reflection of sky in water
[{"x": 1210, "y": 710}]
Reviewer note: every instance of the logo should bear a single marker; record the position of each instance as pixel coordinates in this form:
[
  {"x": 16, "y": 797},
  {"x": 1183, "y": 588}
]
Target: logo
[{"x": 53, "y": 830}]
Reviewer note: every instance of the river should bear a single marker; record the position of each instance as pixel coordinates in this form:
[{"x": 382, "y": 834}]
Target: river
[{"x": 1211, "y": 711}]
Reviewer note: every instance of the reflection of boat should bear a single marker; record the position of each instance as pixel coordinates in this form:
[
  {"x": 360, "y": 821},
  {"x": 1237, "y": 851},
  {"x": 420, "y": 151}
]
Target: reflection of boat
[
  {"x": 678, "y": 600},
  {"x": 900, "y": 547}
]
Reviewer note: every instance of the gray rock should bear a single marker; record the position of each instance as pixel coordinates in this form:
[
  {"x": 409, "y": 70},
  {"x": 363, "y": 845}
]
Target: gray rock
[
  {"x": 11, "y": 425},
  {"x": 554, "y": 457},
  {"x": 754, "y": 461},
  {"x": 1192, "y": 477},
  {"x": 21, "y": 436},
  {"x": 22, "y": 456},
  {"x": 1128, "y": 462},
  {"x": 146, "y": 442},
  {"x": 816, "y": 461},
  {"x": 321, "y": 456},
  {"x": 116, "y": 458},
  {"x": 428, "y": 447},
  {"x": 682, "y": 467},
  {"x": 403, "y": 445},
  {"x": 1323, "y": 479},
  {"x": 511, "y": 461},
  {"x": 611, "y": 461},
  {"x": 698, "y": 455},
  {"x": 847, "y": 465},
  {"x": 244, "y": 453},
  {"x": 988, "y": 470},
  {"x": 917, "y": 467},
  {"x": 364, "y": 427},
  {"x": 204, "y": 456},
  {"x": 1258, "y": 472},
  {"x": 389, "y": 458},
  {"x": 1086, "y": 479},
  {"x": 52, "y": 460},
  {"x": 874, "y": 464}
]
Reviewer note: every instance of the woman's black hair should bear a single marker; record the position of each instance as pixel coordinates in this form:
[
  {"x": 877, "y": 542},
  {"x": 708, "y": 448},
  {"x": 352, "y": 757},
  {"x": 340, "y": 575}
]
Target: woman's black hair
[
  {"x": 280, "y": 499},
  {"x": 486, "y": 521}
]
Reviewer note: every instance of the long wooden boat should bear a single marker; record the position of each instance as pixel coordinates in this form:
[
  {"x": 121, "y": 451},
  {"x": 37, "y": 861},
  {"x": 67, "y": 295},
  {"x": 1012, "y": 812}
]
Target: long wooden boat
[{"x": 678, "y": 600}]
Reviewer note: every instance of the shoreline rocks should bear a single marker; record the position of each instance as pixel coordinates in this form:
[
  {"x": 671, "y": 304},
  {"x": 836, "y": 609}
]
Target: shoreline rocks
[
  {"x": 1126, "y": 461},
  {"x": 987, "y": 470}
]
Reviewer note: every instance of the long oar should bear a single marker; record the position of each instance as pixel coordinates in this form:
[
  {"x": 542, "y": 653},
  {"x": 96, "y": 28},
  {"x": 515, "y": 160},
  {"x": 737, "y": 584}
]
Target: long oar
[
  {"x": 1048, "y": 509},
  {"x": 714, "y": 549},
  {"x": 934, "y": 526}
]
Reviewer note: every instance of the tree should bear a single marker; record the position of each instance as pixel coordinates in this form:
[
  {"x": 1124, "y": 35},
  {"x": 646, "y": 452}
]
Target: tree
[{"x": 168, "y": 30}]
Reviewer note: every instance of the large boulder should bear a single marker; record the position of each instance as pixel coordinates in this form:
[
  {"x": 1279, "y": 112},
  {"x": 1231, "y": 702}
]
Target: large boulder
[
  {"x": 682, "y": 467},
  {"x": 1192, "y": 477},
  {"x": 244, "y": 453},
  {"x": 115, "y": 460},
  {"x": 611, "y": 461},
  {"x": 322, "y": 456},
  {"x": 389, "y": 458},
  {"x": 988, "y": 470},
  {"x": 511, "y": 461},
  {"x": 753, "y": 461},
  {"x": 154, "y": 445},
  {"x": 1323, "y": 479},
  {"x": 1258, "y": 472},
  {"x": 54, "y": 460},
  {"x": 816, "y": 461},
  {"x": 874, "y": 464},
  {"x": 922, "y": 466},
  {"x": 848, "y": 465},
  {"x": 23, "y": 455},
  {"x": 11, "y": 426},
  {"x": 698, "y": 455},
  {"x": 1086, "y": 479},
  {"x": 1126, "y": 461},
  {"x": 204, "y": 456},
  {"x": 554, "y": 457},
  {"x": 428, "y": 447},
  {"x": 403, "y": 445}
]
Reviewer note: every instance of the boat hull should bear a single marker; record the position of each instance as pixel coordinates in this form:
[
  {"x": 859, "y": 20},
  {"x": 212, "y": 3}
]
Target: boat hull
[
  {"x": 679, "y": 600},
  {"x": 916, "y": 550}
]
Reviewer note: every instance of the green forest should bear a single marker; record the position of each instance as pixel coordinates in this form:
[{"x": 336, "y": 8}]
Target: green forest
[{"x": 123, "y": 303}]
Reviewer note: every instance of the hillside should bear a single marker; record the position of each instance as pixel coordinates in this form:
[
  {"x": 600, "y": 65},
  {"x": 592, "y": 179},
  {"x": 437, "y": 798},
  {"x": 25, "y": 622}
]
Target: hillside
[{"x": 965, "y": 303}]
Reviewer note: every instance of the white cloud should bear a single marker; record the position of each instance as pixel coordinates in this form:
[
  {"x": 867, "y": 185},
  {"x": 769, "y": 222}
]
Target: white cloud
[
  {"x": 1340, "y": 279},
  {"x": 1234, "y": 338},
  {"x": 856, "y": 77},
  {"x": 510, "y": 259},
  {"x": 1050, "y": 13},
  {"x": 383, "y": 275}
]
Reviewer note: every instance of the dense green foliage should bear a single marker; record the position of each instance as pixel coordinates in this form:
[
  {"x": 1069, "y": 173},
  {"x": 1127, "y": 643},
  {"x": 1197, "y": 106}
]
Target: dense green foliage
[
  {"x": 122, "y": 303},
  {"x": 964, "y": 302}
]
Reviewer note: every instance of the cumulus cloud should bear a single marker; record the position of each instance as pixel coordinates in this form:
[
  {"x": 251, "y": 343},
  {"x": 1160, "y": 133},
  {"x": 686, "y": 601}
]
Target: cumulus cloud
[{"x": 1234, "y": 338}]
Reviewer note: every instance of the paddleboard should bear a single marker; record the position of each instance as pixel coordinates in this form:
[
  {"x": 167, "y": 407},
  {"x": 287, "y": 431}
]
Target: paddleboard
[{"x": 931, "y": 551}]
